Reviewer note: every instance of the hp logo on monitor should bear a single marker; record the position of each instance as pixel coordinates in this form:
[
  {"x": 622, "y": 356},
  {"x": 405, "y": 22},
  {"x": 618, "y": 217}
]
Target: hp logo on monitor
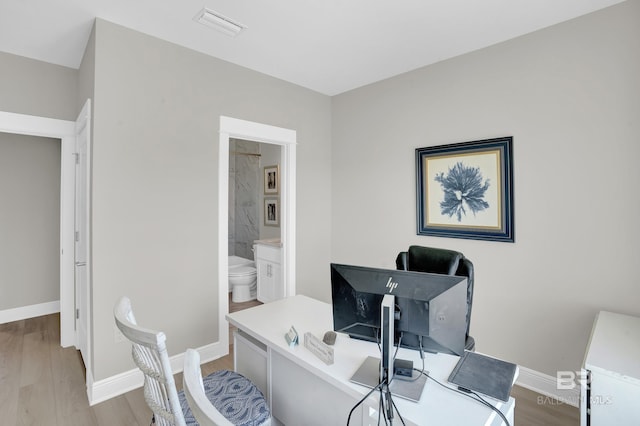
[{"x": 391, "y": 285}]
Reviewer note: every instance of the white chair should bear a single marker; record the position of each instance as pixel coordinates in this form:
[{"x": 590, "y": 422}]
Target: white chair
[
  {"x": 234, "y": 400},
  {"x": 170, "y": 407}
]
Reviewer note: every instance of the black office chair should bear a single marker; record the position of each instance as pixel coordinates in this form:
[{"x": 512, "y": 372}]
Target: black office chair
[{"x": 441, "y": 261}]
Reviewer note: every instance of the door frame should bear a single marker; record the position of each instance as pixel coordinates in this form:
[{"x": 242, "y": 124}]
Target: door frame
[
  {"x": 65, "y": 131},
  {"x": 262, "y": 133}
]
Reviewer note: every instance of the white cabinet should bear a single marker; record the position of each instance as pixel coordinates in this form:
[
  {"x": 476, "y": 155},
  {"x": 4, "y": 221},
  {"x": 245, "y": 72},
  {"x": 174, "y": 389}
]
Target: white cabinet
[
  {"x": 250, "y": 360},
  {"x": 610, "y": 395},
  {"x": 295, "y": 389},
  {"x": 269, "y": 269}
]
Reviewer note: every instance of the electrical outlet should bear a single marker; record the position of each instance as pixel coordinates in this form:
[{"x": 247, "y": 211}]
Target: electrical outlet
[{"x": 117, "y": 335}]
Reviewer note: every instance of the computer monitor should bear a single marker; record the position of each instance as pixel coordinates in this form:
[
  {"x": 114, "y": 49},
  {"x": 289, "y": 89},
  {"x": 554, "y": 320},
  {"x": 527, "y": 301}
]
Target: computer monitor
[{"x": 430, "y": 309}]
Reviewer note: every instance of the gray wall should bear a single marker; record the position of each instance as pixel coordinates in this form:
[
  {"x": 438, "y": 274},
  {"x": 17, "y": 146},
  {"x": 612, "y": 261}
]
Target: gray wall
[
  {"x": 36, "y": 88},
  {"x": 155, "y": 183},
  {"x": 87, "y": 74},
  {"x": 30, "y": 181},
  {"x": 29, "y": 220},
  {"x": 570, "y": 96}
]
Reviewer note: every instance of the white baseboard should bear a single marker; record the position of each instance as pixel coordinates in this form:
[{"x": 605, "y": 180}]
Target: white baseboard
[
  {"x": 547, "y": 385},
  {"x": 17, "y": 314},
  {"x": 113, "y": 386}
]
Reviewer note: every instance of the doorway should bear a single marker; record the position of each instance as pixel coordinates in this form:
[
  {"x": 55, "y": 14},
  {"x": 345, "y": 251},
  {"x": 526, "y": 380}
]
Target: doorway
[
  {"x": 29, "y": 226},
  {"x": 66, "y": 132},
  {"x": 232, "y": 128},
  {"x": 248, "y": 163},
  {"x": 250, "y": 166}
]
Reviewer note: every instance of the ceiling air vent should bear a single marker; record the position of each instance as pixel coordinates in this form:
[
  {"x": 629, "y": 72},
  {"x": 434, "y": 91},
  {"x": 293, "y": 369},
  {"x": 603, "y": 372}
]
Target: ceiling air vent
[{"x": 219, "y": 22}]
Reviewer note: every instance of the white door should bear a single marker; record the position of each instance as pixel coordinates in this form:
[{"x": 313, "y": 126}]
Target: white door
[{"x": 82, "y": 235}]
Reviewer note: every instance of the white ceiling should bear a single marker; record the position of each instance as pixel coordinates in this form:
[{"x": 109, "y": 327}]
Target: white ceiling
[{"x": 329, "y": 46}]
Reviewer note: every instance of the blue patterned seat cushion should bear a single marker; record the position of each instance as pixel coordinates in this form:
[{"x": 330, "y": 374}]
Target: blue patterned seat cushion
[{"x": 235, "y": 397}]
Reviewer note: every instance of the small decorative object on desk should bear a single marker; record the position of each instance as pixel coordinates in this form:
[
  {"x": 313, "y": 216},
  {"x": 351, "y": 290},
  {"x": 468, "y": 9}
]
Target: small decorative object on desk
[
  {"x": 291, "y": 337},
  {"x": 318, "y": 348},
  {"x": 329, "y": 338}
]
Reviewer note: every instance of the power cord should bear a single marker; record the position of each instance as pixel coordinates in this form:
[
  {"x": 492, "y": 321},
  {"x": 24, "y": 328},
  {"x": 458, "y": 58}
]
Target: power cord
[
  {"x": 471, "y": 394},
  {"x": 415, "y": 369},
  {"x": 391, "y": 405},
  {"x": 485, "y": 402},
  {"x": 383, "y": 387},
  {"x": 362, "y": 400}
]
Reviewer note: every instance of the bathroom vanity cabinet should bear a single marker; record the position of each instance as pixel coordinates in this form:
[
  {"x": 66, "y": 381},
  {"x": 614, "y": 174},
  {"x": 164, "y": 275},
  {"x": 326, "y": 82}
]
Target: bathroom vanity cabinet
[{"x": 269, "y": 269}]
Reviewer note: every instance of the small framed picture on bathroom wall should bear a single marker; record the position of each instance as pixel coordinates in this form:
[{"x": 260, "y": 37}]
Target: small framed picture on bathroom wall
[
  {"x": 271, "y": 180},
  {"x": 271, "y": 212}
]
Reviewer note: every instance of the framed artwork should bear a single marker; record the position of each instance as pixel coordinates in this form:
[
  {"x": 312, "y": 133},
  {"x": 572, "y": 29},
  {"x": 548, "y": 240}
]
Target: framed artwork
[
  {"x": 465, "y": 190},
  {"x": 271, "y": 212},
  {"x": 271, "y": 180}
]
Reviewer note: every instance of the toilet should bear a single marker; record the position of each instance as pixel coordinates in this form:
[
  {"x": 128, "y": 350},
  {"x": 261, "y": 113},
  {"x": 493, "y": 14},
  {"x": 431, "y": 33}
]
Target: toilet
[{"x": 242, "y": 279}]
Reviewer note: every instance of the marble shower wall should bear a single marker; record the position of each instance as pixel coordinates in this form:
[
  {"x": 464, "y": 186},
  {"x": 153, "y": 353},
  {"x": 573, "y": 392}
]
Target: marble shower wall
[{"x": 244, "y": 197}]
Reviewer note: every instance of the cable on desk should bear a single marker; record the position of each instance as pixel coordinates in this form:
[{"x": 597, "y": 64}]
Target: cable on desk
[
  {"x": 484, "y": 401},
  {"x": 390, "y": 404},
  {"x": 383, "y": 387},
  {"x": 361, "y": 401},
  {"x": 420, "y": 371},
  {"x": 398, "y": 411},
  {"x": 470, "y": 394},
  {"x": 381, "y": 409}
]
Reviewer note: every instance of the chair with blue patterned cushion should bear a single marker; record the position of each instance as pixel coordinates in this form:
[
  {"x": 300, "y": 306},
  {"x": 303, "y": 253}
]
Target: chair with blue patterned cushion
[
  {"x": 169, "y": 407},
  {"x": 221, "y": 396}
]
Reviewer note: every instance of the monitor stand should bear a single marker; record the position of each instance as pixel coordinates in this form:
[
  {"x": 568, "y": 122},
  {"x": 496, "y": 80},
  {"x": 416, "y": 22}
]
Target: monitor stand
[{"x": 408, "y": 388}]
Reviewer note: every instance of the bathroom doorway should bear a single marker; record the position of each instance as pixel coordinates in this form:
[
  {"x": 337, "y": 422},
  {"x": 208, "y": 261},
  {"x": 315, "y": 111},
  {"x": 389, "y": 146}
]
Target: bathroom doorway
[
  {"x": 285, "y": 140},
  {"x": 253, "y": 208},
  {"x": 250, "y": 164}
]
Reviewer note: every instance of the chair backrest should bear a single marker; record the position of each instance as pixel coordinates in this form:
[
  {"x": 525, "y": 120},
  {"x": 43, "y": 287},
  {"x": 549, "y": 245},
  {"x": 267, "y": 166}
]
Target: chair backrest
[
  {"x": 149, "y": 352},
  {"x": 202, "y": 409},
  {"x": 441, "y": 261}
]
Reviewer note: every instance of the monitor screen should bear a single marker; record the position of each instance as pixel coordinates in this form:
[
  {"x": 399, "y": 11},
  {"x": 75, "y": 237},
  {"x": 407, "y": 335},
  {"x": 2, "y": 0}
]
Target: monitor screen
[{"x": 430, "y": 309}]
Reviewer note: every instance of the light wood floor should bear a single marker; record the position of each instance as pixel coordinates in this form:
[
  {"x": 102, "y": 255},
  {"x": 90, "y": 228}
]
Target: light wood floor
[{"x": 43, "y": 384}]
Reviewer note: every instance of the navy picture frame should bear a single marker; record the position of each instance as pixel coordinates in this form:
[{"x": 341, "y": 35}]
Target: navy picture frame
[{"x": 465, "y": 190}]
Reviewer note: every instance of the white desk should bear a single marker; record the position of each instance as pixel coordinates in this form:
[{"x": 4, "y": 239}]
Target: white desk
[{"x": 302, "y": 390}]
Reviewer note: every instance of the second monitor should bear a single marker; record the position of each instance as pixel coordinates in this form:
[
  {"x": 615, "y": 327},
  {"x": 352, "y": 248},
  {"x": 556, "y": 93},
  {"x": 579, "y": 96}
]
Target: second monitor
[{"x": 430, "y": 309}]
